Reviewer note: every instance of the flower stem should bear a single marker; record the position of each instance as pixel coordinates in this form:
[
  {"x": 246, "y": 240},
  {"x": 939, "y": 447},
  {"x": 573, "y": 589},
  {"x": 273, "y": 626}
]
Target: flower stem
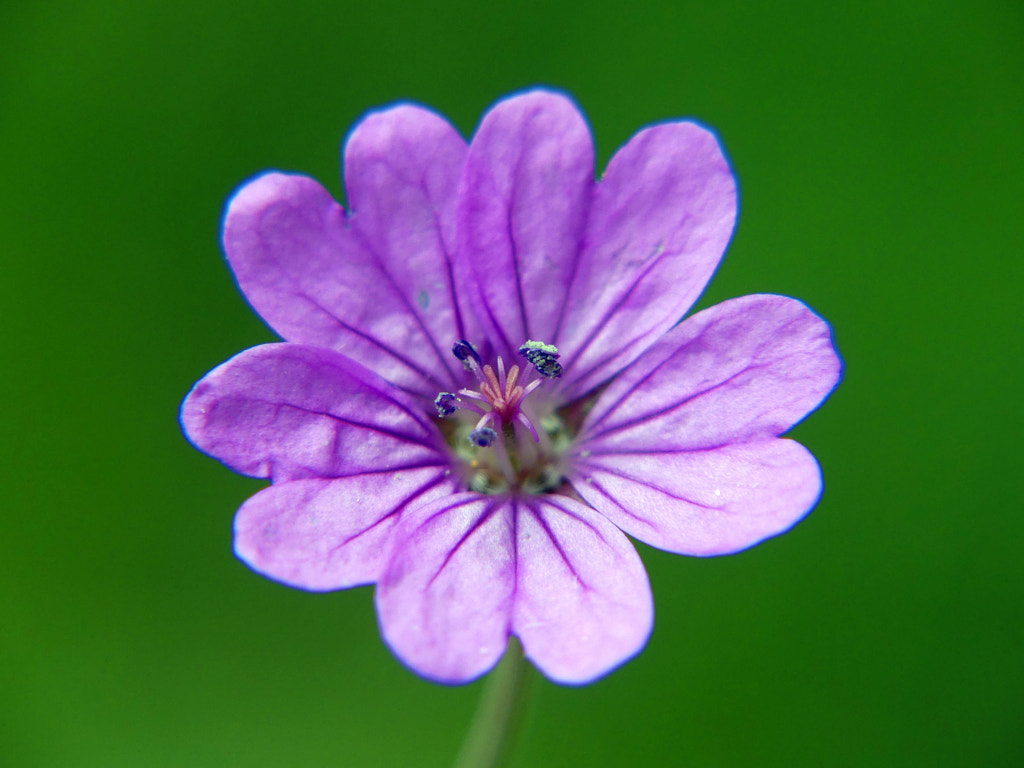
[{"x": 499, "y": 717}]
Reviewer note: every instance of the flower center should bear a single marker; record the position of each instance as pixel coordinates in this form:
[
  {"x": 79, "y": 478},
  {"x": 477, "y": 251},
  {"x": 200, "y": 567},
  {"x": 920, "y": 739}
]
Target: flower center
[{"x": 500, "y": 442}]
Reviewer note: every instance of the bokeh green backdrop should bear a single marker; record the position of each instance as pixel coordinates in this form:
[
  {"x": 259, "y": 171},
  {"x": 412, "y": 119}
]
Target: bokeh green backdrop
[{"x": 878, "y": 149}]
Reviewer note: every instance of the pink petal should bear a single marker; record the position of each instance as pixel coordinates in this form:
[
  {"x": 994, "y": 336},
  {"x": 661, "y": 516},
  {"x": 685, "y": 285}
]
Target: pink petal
[
  {"x": 583, "y": 602},
  {"x": 659, "y": 223},
  {"x": 330, "y": 534},
  {"x": 746, "y": 368},
  {"x": 376, "y": 285},
  {"x": 445, "y": 601},
  {"x": 402, "y": 171},
  {"x": 680, "y": 449},
  {"x": 522, "y": 208},
  {"x": 703, "y": 502},
  {"x": 289, "y": 411},
  {"x": 469, "y": 569}
]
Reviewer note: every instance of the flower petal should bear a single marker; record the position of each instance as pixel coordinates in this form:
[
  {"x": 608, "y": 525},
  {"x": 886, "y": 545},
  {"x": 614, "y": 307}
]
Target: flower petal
[
  {"x": 744, "y": 369},
  {"x": 522, "y": 208},
  {"x": 402, "y": 171},
  {"x": 703, "y": 502},
  {"x": 375, "y": 285},
  {"x": 680, "y": 450},
  {"x": 469, "y": 569},
  {"x": 659, "y": 223},
  {"x": 330, "y": 534},
  {"x": 445, "y": 601},
  {"x": 583, "y": 602},
  {"x": 290, "y": 411}
]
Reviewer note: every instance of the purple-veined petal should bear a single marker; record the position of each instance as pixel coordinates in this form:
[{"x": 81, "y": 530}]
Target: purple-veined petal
[
  {"x": 468, "y": 570},
  {"x": 402, "y": 171},
  {"x": 703, "y": 502},
  {"x": 522, "y": 208},
  {"x": 291, "y": 411},
  {"x": 330, "y": 534},
  {"x": 376, "y": 285},
  {"x": 660, "y": 221},
  {"x": 744, "y": 369},
  {"x": 583, "y": 603},
  {"x": 681, "y": 449},
  {"x": 445, "y": 601}
]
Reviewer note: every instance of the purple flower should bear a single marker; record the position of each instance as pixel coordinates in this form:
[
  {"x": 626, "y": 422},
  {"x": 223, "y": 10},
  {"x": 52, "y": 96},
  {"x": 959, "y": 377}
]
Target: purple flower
[{"x": 483, "y": 387}]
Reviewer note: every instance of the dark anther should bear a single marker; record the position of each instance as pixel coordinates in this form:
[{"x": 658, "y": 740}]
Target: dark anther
[
  {"x": 483, "y": 437},
  {"x": 548, "y": 367},
  {"x": 544, "y": 358},
  {"x": 463, "y": 350},
  {"x": 445, "y": 403}
]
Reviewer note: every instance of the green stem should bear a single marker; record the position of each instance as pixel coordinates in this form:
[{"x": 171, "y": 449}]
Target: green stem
[{"x": 499, "y": 717}]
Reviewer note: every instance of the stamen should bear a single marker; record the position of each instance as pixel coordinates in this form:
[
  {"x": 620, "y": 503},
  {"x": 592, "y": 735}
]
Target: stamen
[
  {"x": 544, "y": 358},
  {"x": 483, "y": 437},
  {"x": 521, "y": 418},
  {"x": 532, "y": 386},
  {"x": 522, "y": 453},
  {"x": 446, "y": 404},
  {"x": 531, "y": 347},
  {"x": 466, "y": 352},
  {"x": 500, "y": 399},
  {"x": 548, "y": 367},
  {"x": 540, "y": 435}
]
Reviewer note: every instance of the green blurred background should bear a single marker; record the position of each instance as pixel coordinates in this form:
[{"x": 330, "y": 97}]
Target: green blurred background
[{"x": 878, "y": 149}]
